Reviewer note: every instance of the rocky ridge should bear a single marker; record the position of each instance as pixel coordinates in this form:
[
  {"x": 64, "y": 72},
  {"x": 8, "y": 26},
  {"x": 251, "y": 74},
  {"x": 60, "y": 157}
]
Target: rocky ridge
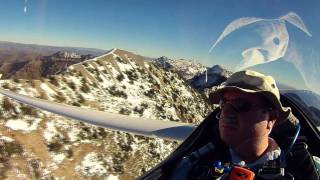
[
  {"x": 36, "y": 144},
  {"x": 204, "y": 79},
  {"x": 185, "y": 68},
  {"x": 210, "y": 78},
  {"x": 42, "y": 66}
]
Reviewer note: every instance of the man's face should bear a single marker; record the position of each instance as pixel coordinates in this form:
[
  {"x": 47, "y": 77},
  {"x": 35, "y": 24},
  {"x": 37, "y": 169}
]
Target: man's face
[{"x": 244, "y": 119}]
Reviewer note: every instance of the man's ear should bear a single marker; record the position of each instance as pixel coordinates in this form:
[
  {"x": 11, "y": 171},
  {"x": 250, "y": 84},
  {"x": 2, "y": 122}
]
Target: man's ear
[
  {"x": 273, "y": 116},
  {"x": 270, "y": 125}
]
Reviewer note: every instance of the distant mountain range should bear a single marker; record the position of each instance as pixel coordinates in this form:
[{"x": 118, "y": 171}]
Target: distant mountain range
[
  {"x": 211, "y": 77},
  {"x": 11, "y": 51},
  {"x": 41, "y": 66},
  {"x": 31, "y": 61},
  {"x": 185, "y": 68},
  {"x": 197, "y": 75},
  {"x": 310, "y": 102},
  {"x": 34, "y": 62}
]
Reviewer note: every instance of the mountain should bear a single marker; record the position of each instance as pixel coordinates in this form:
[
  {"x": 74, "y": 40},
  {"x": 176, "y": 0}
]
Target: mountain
[
  {"x": 185, "y": 68},
  {"x": 40, "y": 145},
  {"x": 42, "y": 66},
  {"x": 18, "y": 52},
  {"x": 197, "y": 75},
  {"x": 310, "y": 102},
  {"x": 309, "y": 98},
  {"x": 210, "y": 78},
  {"x": 32, "y": 61}
]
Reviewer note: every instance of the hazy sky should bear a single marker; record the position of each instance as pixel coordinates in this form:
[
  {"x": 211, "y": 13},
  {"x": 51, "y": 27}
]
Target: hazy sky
[{"x": 177, "y": 29}]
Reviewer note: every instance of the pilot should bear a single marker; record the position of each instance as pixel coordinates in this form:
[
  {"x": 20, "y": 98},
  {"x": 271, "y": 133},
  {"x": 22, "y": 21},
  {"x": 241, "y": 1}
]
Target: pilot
[{"x": 250, "y": 109}]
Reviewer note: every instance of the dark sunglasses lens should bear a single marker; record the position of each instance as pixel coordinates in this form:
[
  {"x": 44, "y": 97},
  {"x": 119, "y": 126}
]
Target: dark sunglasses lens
[
  {"x": 238, "y": 105},
  {"x": 242, "y": 106}
]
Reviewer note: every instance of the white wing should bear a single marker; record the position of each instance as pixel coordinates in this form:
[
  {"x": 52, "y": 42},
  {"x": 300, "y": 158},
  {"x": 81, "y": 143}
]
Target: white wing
[{"x": 140, "y": 126}]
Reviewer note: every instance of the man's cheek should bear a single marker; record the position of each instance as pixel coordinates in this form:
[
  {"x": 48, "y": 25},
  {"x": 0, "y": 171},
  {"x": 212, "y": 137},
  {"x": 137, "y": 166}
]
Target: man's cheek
[{"x": 229, "y": 136}]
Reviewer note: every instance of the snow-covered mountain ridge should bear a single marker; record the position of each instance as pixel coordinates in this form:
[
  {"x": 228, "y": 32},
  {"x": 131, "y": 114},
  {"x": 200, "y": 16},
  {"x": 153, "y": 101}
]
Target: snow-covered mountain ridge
[
  {"x": 185, "y": 68},
  {"x": 210, "y": 78},
  {"x": 197, "y": 75},
  {"x": 39, "y": 144}
]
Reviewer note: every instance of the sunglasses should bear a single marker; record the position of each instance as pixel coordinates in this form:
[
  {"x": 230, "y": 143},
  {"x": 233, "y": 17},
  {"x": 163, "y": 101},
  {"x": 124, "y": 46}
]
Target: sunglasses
[{"x": 241, "y": 105}]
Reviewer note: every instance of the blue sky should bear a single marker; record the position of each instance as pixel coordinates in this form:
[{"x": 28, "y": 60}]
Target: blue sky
[
  {"x": 173, "y": 28},
  {"x": 177, "y": 29}
]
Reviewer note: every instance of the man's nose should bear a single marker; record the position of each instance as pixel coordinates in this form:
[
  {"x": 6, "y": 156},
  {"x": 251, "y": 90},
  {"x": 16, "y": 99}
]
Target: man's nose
[{"x": 228, "y": 109}]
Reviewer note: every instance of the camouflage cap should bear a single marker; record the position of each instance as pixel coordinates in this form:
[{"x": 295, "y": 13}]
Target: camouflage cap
[{"x": 253, "y": 82}]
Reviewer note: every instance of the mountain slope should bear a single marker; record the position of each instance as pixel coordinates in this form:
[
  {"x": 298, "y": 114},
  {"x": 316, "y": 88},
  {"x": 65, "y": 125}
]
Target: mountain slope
[
  {"x": 185, "y": 68},
  {"x": 46, "y": 145},
  {"x": 41, "y": 66},
  {"x": 197, "y": 75}
]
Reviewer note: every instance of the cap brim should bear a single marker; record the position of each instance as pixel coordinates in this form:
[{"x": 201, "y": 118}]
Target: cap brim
[
  {"x": 284, "y": 112},
  {"x": 215, "y": 96}
]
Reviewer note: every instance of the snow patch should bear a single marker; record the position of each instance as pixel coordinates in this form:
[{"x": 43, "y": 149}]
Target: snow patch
[
  {"x": 91, "y": 165},
  {"x": 112, "y": 177},
  {"x": 58, "y": 158},
  {"x": 7, "y": 139},
  {"x": 73, "y": 134},
  {"x": 51, "y": 167},
  {"x": 47, "y": 89},
  {"x": 51, "y": 131},
  {"x": 23, "y": 125},
  {"x": 88, "y": 96},
  {"x": 75, "y": 80}
]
